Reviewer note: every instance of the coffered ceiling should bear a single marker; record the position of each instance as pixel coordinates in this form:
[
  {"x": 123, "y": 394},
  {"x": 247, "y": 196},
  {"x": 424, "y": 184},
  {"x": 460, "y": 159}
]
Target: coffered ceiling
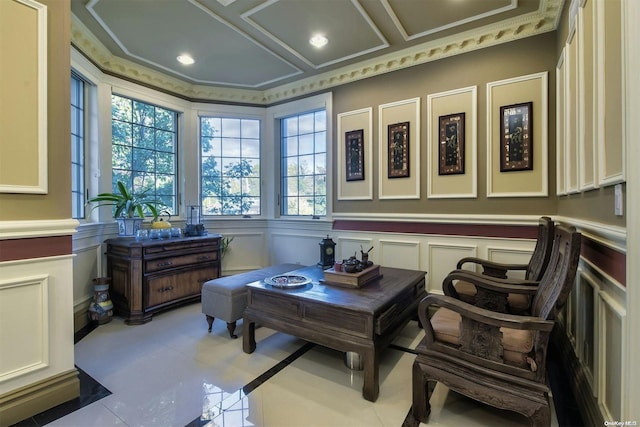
[{"x": 260, "y": 49}]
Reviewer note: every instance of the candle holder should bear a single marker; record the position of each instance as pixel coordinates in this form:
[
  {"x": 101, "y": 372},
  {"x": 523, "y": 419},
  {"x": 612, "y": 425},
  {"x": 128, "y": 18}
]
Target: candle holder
[{"x": 194, "y": 226}]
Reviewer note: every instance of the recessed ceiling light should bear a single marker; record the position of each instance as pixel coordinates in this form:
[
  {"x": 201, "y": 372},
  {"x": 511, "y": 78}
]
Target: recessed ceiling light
[
  {"x": 185, "y": 59},
  {"x": 318, "y": 40}
]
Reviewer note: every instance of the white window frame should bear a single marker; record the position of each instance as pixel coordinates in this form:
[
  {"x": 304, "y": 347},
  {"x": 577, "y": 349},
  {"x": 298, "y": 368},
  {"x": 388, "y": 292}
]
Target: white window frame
[{"x": 273, "y": 156}]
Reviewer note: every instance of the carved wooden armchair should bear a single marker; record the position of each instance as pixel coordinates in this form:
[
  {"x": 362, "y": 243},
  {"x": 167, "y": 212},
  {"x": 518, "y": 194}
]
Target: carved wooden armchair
[
  {"x": 496, "y": 358},
  {"x": 518, "y": 303}
]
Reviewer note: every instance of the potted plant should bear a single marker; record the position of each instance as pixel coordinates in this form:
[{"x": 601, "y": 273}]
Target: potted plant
[
  {"x": 129, "y": 209},
  {"x": 224, "y": 244}
]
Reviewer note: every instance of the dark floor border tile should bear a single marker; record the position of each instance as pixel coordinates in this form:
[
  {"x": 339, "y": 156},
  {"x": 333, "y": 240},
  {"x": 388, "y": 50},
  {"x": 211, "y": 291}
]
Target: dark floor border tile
[{"x": 90, "y": 391}]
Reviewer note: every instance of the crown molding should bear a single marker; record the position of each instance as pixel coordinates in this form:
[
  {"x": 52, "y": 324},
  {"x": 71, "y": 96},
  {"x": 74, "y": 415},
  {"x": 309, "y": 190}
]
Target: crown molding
[{"x": 543, "y": 20}]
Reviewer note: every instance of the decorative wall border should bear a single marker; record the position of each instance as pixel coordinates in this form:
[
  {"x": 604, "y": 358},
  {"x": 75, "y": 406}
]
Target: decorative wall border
[{"x": 545, "y": 19}]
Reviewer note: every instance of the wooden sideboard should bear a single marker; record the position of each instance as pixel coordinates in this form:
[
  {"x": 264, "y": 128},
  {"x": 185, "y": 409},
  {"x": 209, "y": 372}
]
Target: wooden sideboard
[{"x": 152, "y": 275}]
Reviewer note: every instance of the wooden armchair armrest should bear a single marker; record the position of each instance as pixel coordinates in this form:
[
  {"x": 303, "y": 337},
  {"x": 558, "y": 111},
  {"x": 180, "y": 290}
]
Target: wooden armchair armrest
[
  {"x": 492, "y": 284},
  {"x": 490, "y": 268},
  {"x": 477, "y": 314}
]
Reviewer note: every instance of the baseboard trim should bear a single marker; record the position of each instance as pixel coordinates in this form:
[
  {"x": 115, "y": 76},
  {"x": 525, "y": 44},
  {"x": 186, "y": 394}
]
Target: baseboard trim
[
  {"x": 35, "y": 398},
  {"x": 587, "y": 403},
  {"x": 81, "y": 316}
]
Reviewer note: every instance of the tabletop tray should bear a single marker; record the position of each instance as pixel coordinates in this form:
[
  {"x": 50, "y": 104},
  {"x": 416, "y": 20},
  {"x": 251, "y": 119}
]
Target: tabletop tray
[{"x": 351, "y": 280}]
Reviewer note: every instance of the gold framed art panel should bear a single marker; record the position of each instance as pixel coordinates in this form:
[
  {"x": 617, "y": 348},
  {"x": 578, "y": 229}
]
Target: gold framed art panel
[
  {"x": 350, "y": 121},
  {"x": 522, "y": 183},
  {"x": 461, "y": 185},
  {"x": 405, "y": 112}
]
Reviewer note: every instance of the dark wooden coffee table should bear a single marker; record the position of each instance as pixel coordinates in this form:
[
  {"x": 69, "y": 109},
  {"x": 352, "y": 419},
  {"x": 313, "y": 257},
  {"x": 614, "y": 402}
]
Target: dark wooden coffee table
[{"x": 362, "y": 320}]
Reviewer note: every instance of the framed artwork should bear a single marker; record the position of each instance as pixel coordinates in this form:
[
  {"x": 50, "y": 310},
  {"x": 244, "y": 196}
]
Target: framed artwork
[
  {"x": 354, "y": 155},
  {"x": 451, "y": 147},
  {"x": 516, "y": 137},
  {"x": 398, "y": 150}
]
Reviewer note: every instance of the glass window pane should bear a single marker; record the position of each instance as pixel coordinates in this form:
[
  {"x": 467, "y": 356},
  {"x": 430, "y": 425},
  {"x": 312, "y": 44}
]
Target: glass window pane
[
  {"x": 230, "y": 163},
  {"x": 292, "y": 186},
  {"x": 253, "y": 168},
  {"x": 210, "y": 126},
  {"x": 231, "y": 147},
  {"x": 306, "y": 144},
  {"x": 121, "y": 157},
  {"x": 231, "y": 128},
  {"x": 290, "y": 126},
  {"x": 304, "y": 163},
  {"x": 143, "y": 160},
  {"x": 292, "y": 166},
  {"x": 164, "y": 119},
  {"x": 165, "y": 141},
  {"x": 121, "y": 133},
  {"x": 165, "y": 163},
  {"x": 291, "y": 146},
  {"x": 144, "y": 146},
  {"x": 320, "y": 139},
  {"x": 320, "y": 164},
  {"x": 121, "y": 109},
  {"x": 143, "y": 137},
  {"x": 306, "y": 186},
  {"x": 320, "y": 121},
  {"x": 143, "y": 113},
  {"x": 306, "y": 123},
  {"x": 251, "y": 148},
  {"x": 251, "y": 129},
  {"x": 291, "y": 204}
]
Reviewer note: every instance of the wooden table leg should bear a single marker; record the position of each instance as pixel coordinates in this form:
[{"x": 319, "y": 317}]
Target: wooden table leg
[
  {"x": 371, "y": 387},
  {"x": 248, "y": 336}
]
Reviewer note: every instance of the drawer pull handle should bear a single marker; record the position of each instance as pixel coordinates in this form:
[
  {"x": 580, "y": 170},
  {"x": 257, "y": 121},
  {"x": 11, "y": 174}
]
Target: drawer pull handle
[
  {"x": 164, "y": 264},
  {"x": 203, "y": 257},
  {"x": 167, "y": 289}
]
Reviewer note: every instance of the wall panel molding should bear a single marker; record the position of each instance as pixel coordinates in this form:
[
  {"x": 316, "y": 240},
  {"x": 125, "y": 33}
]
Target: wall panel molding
[
  {"x": 34, "y": 347},
  {"x": 23, "y": 157}
]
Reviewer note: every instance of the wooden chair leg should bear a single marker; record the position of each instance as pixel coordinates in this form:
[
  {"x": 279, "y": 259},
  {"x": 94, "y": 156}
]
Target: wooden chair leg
[
  {"x": 231, "y": 327},
  {"x": 541, "y": 418},
  {"x": 421, "y": 407},
  {"x": 210, "y": 322}
]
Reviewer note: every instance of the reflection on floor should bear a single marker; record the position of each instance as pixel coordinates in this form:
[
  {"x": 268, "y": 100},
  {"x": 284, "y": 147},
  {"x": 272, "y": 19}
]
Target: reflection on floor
[{"x": 171, "y": 372}]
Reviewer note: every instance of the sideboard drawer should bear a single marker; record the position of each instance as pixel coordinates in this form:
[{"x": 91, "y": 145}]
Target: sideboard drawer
[
  {"x": 168, "y": 288},
  {"x": 159, "y": 264}
]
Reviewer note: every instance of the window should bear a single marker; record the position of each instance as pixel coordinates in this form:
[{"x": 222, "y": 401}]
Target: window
[
  {"x": 144, "y": 140},
  {"x": 77, "y": 147},
  {"x": 230, "y": 166},
  {"x": 304, "y": 164}
]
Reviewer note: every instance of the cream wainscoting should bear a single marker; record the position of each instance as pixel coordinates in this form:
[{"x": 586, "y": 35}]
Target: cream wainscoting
[
  {"x": 37, "y": 368},
  {"x": 595, "y": 324}
]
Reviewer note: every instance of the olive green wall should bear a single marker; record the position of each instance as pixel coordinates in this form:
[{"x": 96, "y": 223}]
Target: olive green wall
[
  {"x": 519, "y": 58},
  {"x": 57, "y": 203}
]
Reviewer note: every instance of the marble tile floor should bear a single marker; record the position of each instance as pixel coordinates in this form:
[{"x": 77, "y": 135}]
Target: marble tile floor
[{"x": 171, "y": 372}]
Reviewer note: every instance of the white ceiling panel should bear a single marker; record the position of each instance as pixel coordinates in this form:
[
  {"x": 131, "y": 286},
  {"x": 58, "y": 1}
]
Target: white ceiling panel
[
  {"x": 438, "y": 15},
  {"x": 261, "y": 45},
  {"x": 291, "y": 23},
  {"x": 224, "y": 54}
]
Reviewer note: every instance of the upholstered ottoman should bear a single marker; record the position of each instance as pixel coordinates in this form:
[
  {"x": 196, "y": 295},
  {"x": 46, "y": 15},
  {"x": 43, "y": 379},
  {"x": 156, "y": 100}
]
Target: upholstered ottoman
[{"x": 226, "y": 297}]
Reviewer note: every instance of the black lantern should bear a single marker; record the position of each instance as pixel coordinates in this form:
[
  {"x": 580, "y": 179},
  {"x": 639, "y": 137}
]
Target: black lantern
[{"x": 327, "y": 252}]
